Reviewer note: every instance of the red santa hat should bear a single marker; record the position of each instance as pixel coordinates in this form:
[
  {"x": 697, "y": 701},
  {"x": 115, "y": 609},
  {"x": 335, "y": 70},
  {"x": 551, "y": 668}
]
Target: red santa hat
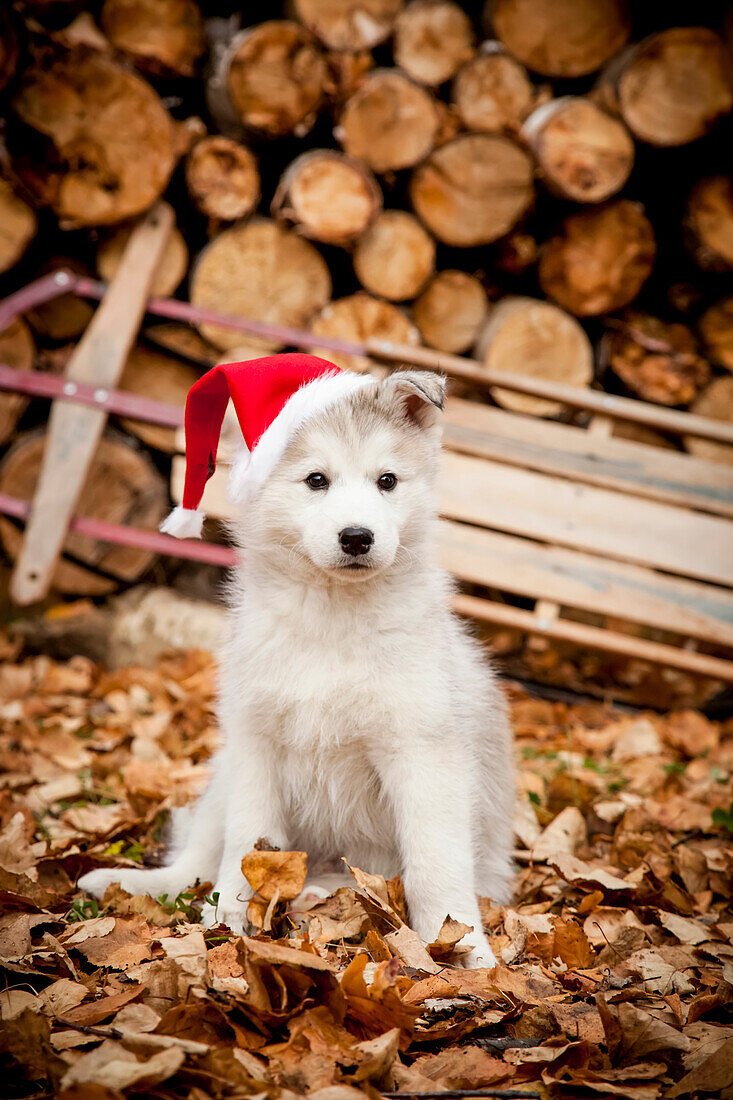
[{"x": 272, "y": 398}]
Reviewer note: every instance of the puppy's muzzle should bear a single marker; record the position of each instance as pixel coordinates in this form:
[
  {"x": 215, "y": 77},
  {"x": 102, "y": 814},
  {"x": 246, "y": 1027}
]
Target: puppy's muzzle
[{"x": 356, "y": 541}]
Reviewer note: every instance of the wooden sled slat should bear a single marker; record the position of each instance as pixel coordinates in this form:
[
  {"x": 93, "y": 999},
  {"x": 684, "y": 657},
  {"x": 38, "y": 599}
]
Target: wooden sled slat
[
  {"x": 588, "y": 456},
  {"x": 583, "y": 517}
]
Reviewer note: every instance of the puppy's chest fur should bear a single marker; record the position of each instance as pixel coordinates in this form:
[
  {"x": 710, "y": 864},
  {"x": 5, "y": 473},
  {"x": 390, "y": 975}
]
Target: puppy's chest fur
[{"x": 332, "y": 697}]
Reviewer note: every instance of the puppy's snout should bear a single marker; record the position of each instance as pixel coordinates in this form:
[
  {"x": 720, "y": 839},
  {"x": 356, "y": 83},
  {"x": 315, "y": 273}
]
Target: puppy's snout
[{"x": 356, "y": 540}]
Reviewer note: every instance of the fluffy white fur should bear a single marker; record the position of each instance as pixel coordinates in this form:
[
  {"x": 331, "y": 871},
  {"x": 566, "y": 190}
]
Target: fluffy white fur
[{"x": 359, "y": 717}]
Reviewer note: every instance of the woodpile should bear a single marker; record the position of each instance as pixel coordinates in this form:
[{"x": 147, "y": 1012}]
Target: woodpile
[{"x": 542, "y": 185}]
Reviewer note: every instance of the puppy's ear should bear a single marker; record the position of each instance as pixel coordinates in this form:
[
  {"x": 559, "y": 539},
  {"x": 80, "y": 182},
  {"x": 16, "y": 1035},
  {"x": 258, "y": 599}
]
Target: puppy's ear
[{"x": 420, "y": 395}]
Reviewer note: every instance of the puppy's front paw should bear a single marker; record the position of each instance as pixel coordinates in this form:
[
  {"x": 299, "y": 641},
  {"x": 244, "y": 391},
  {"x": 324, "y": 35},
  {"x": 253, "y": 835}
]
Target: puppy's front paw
[
  {"x": 232, "y": 913},
  {"x": 480, "y": 956},
  {"x": 96, "y": 882}
]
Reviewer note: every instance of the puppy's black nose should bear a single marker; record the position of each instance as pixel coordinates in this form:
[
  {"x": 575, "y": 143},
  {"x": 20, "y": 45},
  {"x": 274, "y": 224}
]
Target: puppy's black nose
[{"x": 356, "y": 540}]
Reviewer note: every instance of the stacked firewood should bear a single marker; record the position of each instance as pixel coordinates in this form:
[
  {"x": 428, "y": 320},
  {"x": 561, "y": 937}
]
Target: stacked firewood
[{"x": 538, "y": 184}]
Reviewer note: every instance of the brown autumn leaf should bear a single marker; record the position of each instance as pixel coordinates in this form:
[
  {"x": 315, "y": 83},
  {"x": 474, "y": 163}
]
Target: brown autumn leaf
[
  {"x": 463, "y": 1068},
  {"x": 275, "y": 874}
]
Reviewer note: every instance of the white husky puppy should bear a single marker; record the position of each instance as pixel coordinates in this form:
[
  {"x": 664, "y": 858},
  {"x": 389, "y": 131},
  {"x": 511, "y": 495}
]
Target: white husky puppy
[{"x": 359, "y": 717}]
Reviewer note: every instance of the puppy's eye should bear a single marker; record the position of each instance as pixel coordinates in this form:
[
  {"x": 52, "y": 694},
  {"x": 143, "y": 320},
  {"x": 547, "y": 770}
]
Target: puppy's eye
[
  {"x": 387, "y": 482},
  {"x": 317, "y": 481}
]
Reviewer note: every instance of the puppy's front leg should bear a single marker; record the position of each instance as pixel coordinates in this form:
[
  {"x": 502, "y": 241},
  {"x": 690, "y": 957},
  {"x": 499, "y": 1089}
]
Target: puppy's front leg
[
  {"x": 431, "y": 793},
  {"x": 253, "y": 810}
]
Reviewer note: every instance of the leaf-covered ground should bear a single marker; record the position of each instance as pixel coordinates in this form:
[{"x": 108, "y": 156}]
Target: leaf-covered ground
[{"x": 616, "y": 973}]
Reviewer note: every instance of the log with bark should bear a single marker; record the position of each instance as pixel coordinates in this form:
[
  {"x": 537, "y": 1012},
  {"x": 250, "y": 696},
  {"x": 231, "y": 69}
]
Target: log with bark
[
  {"x": 169, "y": 272},
  {"x": 328, "y": 197},
  {"x": 658, "y": 361},
  {"x": 161, "y": 377},
  {"x": 715, "y": 402},
  {"x": 584, "y": 154},
  {"x": 433, "y": 38},
  {"x": 528, "y": 336},
  {"x": 708, "y": 224},
  {"x": 350, "y": 25},
  {"x": 222, "y": 178},
  {"x": 389, "y": 122},
  {"x": 450, "y": 311},
  {"x": 271, "y": 79},
  {"x": 563, "y": 38},
  {"x": 18, "y": 225},
  {"x": 17, "y": 350},
  {"x": 395, "y": 257},
  {"x": 260, "y": 270},
  {"x": 161, "y": 37},
  {"x": 492, "y": 93},
  {"x": 474, "y": 189},
  {"x": 110, "y": 147},
  {"x": 122, "y": 487},
  {"x": 716, "y": 332},
  {"x": 671, "y": 88},
  {"x": 361, "y": 317},
  {"x": 600, "y": 260}
]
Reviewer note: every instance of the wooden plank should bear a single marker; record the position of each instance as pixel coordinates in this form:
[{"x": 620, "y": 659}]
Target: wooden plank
[
  {"x": 74, "y": 430},
  {"x": 576, "y": 579},
  {"x": 575, "y": 397},
  {"x": 595, "y": 637},
  {"x": 588, "y": 456},
  {"x": 551, "y": 509}
]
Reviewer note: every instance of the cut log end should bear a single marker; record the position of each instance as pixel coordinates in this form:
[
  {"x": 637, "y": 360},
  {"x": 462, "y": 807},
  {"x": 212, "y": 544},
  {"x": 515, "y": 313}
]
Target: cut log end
[
  {"x": 169, "y": 272},
  {"x": 396, "y": 257},
  {"x": 275, "y": 78},
  {"x": 563, "y": 38},
  {"x": 716, "y": 402},
  {"x": 350, "y": 25},
  {"x": 450, "y": 311},
  {"x": 152, "y": 374},
  {"x": 17, "y": 351},
  {"x": 19, "y": 225},
  {"x": 433, "y": 38},
  {"x": 390, "y": 122},
  {"x": 162, "y": 37},
  {"x": 84, "y": 100},
  {"x": 716, "y": 331},
  {"x": 534, "y": 338},
  {"x": 222, "y": 179},
  {"x": 361, "y": 317},
  {"x": 260, "y": 270},
  {"x": 583, "y": 153},
  {"x": 122, "y": 487},
  {"x": 493, "y": 93},
  {"x": 708, "y": 224},
  {"x": 673, "y": 86},
  {"x": 474, "y": 189},
  {"x": 657, "y": 361},
  {"x": 600, "y": 260},
  {"x": 328, "y": 196}
]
